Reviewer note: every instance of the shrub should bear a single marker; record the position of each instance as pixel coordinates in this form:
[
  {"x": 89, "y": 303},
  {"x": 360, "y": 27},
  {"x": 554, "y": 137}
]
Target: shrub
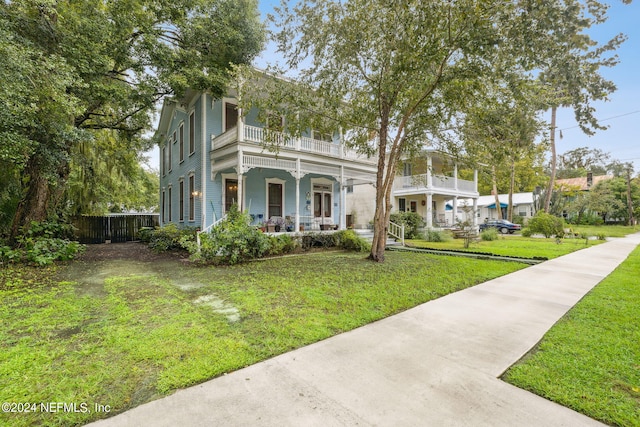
[
  {"x": 350, "y": 241},
  {"x": 489, "y": 234},
  {"x": 170, "y": 238},
  {"x": 42, "y": 243},
  {"x": 318, "y": 240},
  {"x": 434, "y": 236},
  {"x": 546, "y": 224},
  {"x": 601, "y": 236},
  {"x": 526, "y": 232},
  {"x": 282, "y": 244},
  {"x": 411, "y": 220}
]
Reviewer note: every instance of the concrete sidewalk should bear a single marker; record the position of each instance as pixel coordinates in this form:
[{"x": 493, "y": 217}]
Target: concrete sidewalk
[{"x": 434, "y": 365}]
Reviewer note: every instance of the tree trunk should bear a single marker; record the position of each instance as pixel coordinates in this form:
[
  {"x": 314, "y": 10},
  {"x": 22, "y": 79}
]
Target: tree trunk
[
  {"x": 494, "y": 183},
  {"x": 42, "y": 196},
  {"x": 552, "y": 179},
  {"x": 380, "y": 221},
  {"x": 512, "y": 184}
]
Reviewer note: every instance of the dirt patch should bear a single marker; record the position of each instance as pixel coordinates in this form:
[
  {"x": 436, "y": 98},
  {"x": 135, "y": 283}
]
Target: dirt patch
[{"x": 132, "y": 251}]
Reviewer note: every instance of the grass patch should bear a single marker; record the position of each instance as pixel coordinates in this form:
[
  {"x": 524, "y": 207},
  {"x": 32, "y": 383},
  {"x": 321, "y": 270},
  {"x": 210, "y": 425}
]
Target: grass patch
[
  {"x": 139, "y": 337},
  {"x": 590, "y": 360},
  {"x": 607, "y": 230},
  {"x": 515, "y": 246}
]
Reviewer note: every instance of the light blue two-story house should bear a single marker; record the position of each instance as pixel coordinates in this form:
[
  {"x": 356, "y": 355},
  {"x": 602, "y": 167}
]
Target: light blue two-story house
[{"x": 212, "y": 155}]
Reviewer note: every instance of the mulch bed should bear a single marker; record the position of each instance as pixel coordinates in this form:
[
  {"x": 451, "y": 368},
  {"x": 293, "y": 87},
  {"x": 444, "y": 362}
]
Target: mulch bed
[{"x": 133, "y": 251}]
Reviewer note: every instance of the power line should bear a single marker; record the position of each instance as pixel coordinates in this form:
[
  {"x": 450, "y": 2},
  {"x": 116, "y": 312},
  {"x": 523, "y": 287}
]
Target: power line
[{"x": 604, "y": 120}]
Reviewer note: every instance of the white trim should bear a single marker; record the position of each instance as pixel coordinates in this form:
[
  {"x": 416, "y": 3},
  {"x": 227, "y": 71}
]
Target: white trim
[{"x": 268, "y": 181}]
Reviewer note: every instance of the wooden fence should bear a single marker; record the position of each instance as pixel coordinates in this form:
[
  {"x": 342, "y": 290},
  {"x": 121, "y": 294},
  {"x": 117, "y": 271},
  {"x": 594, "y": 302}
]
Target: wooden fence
[{"x": 114, "y": 229}]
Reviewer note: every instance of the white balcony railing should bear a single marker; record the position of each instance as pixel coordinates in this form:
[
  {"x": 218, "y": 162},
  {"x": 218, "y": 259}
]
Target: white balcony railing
[
  {"x": 260, "y": 135},
  {"x": 419, "y": 183}
]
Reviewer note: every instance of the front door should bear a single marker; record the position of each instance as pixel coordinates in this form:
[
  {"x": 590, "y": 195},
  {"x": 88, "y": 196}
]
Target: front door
[
  {"x": 230, "y": 193},
  {"x": 322, "y": 200}
]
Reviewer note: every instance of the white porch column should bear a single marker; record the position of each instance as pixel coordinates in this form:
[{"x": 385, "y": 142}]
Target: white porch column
[
  {"x": 475, "y": 212},
  {"x": 475, "y": 181},
  {"x": 297, "y": 220},
  {"x": 203, "y": 165},
  {"x": 455, "y": 176},
  {"x": 429, "y": 167},
  {"x": 343, "y": 200},
  {"x": 429, "y": 210},
  {"x": 240, "y": 179},
  {"x": 455, "y": 210}
]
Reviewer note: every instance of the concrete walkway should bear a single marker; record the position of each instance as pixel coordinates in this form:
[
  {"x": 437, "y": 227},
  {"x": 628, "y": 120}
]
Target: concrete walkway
[{"x": 434, "y": 365}]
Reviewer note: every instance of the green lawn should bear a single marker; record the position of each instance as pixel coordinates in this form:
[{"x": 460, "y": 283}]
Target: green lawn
[
  {"x": 607, "y": 230},
  {"x": 136, "y": 337},
  {"x": 512, "y": 245},
  {"x": 590, "y": 360}
]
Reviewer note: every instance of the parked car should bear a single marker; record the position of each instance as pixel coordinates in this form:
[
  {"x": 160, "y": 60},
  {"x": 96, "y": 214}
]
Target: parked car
[{"x": 502, "y": 225}]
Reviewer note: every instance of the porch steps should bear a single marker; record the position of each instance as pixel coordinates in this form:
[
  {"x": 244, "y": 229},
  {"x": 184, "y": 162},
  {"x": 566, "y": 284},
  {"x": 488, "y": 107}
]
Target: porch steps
[{"x": 368, "y": 234}]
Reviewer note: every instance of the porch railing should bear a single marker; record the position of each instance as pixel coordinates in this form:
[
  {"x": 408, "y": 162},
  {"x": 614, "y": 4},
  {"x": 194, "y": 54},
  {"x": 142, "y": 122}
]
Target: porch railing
[
  {"x": 282, "y": 140},
  {"x": 437, "y": 181},
  {"x": 397, "y": 231}
]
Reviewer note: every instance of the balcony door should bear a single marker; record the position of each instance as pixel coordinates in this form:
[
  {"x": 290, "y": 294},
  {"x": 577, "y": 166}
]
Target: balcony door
[{"x": 230, "y": 193}]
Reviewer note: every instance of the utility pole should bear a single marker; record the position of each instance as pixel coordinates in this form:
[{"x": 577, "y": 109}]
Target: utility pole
[{"x": 629, "y": 202}]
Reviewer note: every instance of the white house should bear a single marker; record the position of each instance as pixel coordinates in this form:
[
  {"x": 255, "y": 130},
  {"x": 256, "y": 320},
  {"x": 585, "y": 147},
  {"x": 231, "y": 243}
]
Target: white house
[{"x": 523, "y": 205}]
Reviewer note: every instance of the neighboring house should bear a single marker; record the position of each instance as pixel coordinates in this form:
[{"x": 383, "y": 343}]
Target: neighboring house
[
  {"x": 523, "y": 205},
  {"x": 427, "y": 183},
  {"x": 583, "y": 183},
  {"x": 213, "y": 156}
]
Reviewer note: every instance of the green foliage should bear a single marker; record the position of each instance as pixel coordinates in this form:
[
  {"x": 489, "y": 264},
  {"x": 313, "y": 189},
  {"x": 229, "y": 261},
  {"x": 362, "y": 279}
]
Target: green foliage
[
  {"x": 489, "y": 234},
  {"x": 434, "y": 236},
  {"x": 546, "y": 224},
  {"x": 282, "y": 244},
  {"x": 526, "y": 232},
  {"x": 75, "y": 72},
  {"x": 411, "y": 220},
  {"x": 350, "y": 241},
  {"x": 233, "y": 241},
  {"x": 169, "y": 238},
  {"x": 41, "y": 244}
]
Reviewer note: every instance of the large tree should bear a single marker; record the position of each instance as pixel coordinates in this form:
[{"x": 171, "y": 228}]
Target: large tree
[
  {"x": 570, "y": 66},
  {"x": 74, "y": 68},
  {"x": 397, "y": 74}
]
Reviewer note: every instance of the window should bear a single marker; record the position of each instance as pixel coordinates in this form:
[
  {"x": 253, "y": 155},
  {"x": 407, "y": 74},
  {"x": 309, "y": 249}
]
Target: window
[
  {"x": 192, "y": 132},
  {"x": 407, "y": 169},
  {"x": 402, "y": 204},
  {"x": 275, "y": 199},
  {"x": 349, "y": 186},
  {"x": 322, "y": 136},
  {"x": 230, "y": 116},
  {"x": 170, "y": 149},
  {"x": 164, "y": 160},
  {"x": 170, "y": 204},
  {"x": 164, "y": 211},
  {"x": 181, "y": 202},
  {"x": 192, "y": 195},
  {"x": 181, "y": 146}
]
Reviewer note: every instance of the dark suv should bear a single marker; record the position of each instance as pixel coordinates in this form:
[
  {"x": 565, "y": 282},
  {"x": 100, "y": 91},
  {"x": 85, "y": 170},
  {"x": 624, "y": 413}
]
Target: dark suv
[{"x": 502, "y": 225}]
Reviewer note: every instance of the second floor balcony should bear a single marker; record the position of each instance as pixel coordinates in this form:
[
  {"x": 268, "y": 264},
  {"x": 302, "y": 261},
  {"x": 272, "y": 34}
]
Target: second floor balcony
[
  {"x": 284, "y": 142},
  {"x": 423, "y": 183}
]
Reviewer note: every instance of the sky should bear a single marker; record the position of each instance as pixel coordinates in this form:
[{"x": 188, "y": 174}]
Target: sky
[{"x": 621, "y": 114}]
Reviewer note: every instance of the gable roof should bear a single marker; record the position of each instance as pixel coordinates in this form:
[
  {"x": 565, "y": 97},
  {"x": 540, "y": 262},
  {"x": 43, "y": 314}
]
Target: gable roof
[{"x": 580, "y": 183}]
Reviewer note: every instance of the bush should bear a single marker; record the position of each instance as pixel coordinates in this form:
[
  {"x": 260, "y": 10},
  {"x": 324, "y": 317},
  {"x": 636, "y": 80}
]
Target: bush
[
  {"x": 601, "y": 236},
  {"x": 169, "y": 238},
  {"x": 282, "y": 244},
  {"x": 434, "y": 236},
  {"x": 42, "y": 243},
  {"x": 411, "y": 220},
  {"x": 489, "y": 234},
  {"x": 526, "y": 232},
  {"x": 546, "y": 224},
  {"x": 350, "y": 241}
]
